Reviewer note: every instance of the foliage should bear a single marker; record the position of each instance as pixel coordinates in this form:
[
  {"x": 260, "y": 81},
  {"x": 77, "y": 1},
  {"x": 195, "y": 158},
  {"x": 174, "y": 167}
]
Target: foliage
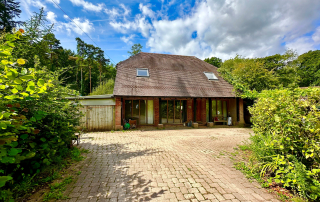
[
  {"x": 104, "y": 88},
  {"x": 56, "y": 190},
  {"x": 9, "y": 10},
  {"x": 78, "y": 70},
  {"x": 135, "y": 49},
  {"x": 287, "y": 138},
  {"x": 36, "y": 123},
  {"x": 251, "y": 76},
  {"x": 309, "y": 69},
  {"x": 215, "y": 61}
]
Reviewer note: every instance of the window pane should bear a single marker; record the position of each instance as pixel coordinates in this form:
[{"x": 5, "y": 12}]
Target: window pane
[
  {"x": 135, "y": 110},
  {"x": 219, "y": 108},
  {"x": 142, "y": 72},
  {"x": 128, "y": 109},
  {"x": 170, "y": 110},
  {"x": 214, "y": 108},
  {"x": 225, "y": 113},
  {"x": 163, "y": 111},
  {"x": 150, "y": 111},
  {"x": 143, "y": 110},
  {"x": 211, "y": 76},
  {"x": 177, "y": 109}
]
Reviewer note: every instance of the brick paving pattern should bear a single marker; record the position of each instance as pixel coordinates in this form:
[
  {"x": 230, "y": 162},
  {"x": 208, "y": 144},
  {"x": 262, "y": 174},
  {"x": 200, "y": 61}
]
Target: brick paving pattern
[{"x": 163, "y": 165}]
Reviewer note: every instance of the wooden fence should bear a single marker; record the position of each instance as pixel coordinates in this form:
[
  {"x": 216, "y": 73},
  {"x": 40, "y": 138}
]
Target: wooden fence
[{"x": 98, "y": 117}]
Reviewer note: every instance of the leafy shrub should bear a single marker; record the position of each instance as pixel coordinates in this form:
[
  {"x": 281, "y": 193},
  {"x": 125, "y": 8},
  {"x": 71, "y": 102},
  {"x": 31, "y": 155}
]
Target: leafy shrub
[
  {"x": 104, "y": 88},
  {"x": 286, "y": 123},
  {"x": 36, "y": 123}
]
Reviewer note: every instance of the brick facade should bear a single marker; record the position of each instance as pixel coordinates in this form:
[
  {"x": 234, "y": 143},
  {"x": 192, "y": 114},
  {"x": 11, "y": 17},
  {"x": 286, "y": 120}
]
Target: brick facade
[
  {"x": 156, "y": 111},
  {"x": 203, "y": 110},
  {"x": 118, "y": 113},
  {"x": 189, "y": 110}
]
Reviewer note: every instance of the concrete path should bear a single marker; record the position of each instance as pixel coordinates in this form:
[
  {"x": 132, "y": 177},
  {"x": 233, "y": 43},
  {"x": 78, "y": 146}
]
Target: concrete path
[{"x": 164, "y": 165}]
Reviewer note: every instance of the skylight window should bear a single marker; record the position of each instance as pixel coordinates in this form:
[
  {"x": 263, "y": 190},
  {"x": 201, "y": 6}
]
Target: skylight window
[
  {"x": 210, "y": 75},
  {"x": 142, "y": 72}
]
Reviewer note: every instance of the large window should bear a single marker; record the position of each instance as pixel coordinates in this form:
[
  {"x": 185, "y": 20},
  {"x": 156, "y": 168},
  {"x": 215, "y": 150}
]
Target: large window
[
  {"x": 172, "y": 111},
  {"x": 219, "y": 109},
  {"x": 140, "y": 110}
]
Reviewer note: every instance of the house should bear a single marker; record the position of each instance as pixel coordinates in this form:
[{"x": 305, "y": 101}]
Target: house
[{"x": 172, "y": 89}]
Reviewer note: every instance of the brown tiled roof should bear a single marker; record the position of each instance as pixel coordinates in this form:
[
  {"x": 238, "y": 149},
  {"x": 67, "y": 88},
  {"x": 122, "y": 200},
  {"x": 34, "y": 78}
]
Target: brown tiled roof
[{"x": 169, "y": 76}]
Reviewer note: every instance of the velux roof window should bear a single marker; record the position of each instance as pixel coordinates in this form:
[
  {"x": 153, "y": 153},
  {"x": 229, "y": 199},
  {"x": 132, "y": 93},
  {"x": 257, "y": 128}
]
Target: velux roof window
[
  {"x": 142, "y": 72},
  {"x": 210, "y": 75}
]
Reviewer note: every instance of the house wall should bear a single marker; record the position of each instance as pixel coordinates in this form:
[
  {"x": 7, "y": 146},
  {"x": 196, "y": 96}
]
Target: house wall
[
  {"x": 189, "y": 110},
  {"x": 99, "y": 114},
  {"x": 97, "y": 102},
  {"x": 118, "y": 107}
]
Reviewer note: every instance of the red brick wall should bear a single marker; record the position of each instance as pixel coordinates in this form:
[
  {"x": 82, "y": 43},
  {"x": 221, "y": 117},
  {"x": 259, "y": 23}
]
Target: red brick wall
[
  {"x": 203, "y": 111},
  {"x": 189, "y": 110},
  {"x": 156, "y": 111},
  {"x": 118, "y": 112}
]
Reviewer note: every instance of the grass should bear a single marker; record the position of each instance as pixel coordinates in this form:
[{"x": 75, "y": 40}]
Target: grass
[
  {"x": 39, "y": 181},
  {"x": 253, "y": 173},
  {"x": 57, "y": 189}
]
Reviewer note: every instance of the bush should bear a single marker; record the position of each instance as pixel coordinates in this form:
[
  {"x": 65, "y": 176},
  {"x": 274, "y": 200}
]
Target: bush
[
  {"x": 286, "y": 123},
  {"x": 36, "y": 122},
  {"x": 104, "y": 88}
]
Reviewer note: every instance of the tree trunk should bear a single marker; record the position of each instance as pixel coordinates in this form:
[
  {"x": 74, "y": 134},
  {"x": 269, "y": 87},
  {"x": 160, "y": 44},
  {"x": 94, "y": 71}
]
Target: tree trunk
[{"x": 90, "y": 78}]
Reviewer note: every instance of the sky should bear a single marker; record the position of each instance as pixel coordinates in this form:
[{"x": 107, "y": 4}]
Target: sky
[{"x": 220, "y": 28}]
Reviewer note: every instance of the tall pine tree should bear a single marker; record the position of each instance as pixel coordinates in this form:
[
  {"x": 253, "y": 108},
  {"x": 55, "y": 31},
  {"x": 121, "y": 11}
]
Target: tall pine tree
[{"x": 9, "y": 11}]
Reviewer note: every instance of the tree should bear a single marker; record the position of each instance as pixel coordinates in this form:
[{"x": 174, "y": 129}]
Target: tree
[
  {"x": 135, "y": 49},
  {"x": 9, "y": 10},
  {"x": 215, "y": 61},
  {"x": 309, "y": 68}
]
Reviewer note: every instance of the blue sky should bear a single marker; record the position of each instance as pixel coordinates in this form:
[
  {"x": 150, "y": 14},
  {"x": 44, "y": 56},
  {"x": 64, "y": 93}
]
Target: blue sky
[{"x": 221, "y": 28}]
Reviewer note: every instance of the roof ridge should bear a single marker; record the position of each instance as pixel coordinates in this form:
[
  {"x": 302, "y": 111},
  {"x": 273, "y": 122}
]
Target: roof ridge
[{"x": 170, "y": 54}]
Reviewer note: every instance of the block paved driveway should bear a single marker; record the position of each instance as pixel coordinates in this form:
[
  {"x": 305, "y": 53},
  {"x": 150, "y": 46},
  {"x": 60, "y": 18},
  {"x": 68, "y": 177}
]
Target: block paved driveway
[{"x": 164, "y": 165}]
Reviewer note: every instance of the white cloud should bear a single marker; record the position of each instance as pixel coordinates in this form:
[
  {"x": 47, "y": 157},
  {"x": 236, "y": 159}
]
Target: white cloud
[
  {"x": 224, "y": 28},
  {"x": 34, "y": 3},
  {"x": 114, "y": 12},
  {"x": 305, "y": 43},
  {"x": 146, "y": 11},
  {"x": 51, "y": 16},
  {"x": 85, "y": 25},
  {"x": 316, "y": 36},
  {"x": 127, "y": 39},
  {"x": 88, "y": 5}
]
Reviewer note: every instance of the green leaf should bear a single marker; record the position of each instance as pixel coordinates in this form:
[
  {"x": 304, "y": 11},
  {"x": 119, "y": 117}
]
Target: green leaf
[
  {"x": 7, "y": 159},
  {"x": 3, "y": 125},
  {"x": 24, "y": 136},
  {"x": 26, "y": 77},
  {"x": 32, "y": 144},
  {"x": 14, "y": 144},
  {"x": 41, "y": 82},
  {"x": 4, "y": 179},
  {"x": 14, "y": 91},
  {"x": 24, "y": 94},
  {"x": 14, "y": 151},
  {"x": 30, "y": 155},
  {"x": 11, "y": 75},
  {"x": 18, "y": 81},
  {"x": 33, "y": 119},
  {"x": 2, "y": 87},
  {"x": 43, "y": 139}
]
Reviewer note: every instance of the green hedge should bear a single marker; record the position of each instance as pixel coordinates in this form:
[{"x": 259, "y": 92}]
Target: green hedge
[
  {"x": 36, "y": 123},
  {"x": 286, "y": 123}
]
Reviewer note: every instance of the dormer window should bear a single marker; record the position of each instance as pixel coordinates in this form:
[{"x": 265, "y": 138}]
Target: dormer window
[
  {"x": 142, "y": 72},
  {"x": 210, "y": 75}
]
